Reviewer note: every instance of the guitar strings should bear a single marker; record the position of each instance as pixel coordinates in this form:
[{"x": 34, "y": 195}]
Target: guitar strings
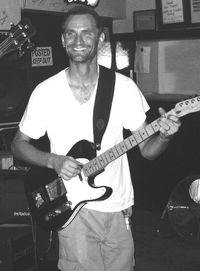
[
  {"x": 12, "y": 38},
  {"x": 9, "y": 40}
]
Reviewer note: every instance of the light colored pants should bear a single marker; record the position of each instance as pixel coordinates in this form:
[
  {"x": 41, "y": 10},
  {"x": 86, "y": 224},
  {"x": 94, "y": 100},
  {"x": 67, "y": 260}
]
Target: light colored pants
[{"x": 96, "y": 241}]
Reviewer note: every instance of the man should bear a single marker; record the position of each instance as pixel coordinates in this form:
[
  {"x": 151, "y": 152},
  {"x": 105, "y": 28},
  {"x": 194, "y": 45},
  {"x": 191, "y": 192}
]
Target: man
[{"x": 98, "y": 238}]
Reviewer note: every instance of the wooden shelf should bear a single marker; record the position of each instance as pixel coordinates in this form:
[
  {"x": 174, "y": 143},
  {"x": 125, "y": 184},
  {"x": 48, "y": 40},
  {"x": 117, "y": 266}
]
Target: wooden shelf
[
  {"x": 176, "y": 33},
  {"x": 168, "y": 97}
]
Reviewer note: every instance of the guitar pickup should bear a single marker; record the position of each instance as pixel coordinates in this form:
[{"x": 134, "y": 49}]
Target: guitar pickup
[
  {"x": 56, "y": 189},
  {"x": 59, "y": 210}
]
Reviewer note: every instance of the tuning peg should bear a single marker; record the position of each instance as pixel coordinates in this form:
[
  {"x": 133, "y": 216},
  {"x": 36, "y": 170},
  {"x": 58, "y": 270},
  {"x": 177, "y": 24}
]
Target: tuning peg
[
  {"x": 30, "y": 45},
  {"x": 11, "y": 24}
]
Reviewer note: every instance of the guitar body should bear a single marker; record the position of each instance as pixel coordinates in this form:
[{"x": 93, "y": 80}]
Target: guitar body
[{"x": 50, "y": 199}]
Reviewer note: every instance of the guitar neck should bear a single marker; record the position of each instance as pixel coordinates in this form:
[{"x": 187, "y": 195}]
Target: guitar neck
[{"x": 100, "y": 162}]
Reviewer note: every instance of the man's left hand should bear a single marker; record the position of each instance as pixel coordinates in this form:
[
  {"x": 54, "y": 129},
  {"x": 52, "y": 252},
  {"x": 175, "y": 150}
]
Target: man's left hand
[{"x": 169, "y": 124}]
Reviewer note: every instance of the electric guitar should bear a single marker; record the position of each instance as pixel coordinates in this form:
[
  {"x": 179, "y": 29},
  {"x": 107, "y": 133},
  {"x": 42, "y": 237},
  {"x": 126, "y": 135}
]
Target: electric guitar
[
  {"x": 50, "y": 199},
  {"x": 18, "y": 35}
]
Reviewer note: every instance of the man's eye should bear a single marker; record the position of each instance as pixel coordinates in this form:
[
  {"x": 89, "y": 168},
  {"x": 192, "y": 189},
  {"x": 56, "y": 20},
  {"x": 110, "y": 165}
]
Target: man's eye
[
  {"x": 88, "y": 33},
  {"x": 69, "y": 34}
]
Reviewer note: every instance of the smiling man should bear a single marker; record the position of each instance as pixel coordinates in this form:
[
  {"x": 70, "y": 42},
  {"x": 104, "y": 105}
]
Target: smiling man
[
  {"x": 99, "y": 237},
  {"x": 81, "y": 39}
]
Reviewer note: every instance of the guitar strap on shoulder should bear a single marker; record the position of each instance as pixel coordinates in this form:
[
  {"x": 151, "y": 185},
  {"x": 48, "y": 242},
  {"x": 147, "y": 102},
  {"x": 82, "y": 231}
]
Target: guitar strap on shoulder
[{"x": 103, "y": 102}]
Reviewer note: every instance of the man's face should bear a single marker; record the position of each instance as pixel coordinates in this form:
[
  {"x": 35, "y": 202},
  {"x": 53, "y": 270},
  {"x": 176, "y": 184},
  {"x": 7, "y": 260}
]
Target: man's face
[{"x": 81, "y": 38}]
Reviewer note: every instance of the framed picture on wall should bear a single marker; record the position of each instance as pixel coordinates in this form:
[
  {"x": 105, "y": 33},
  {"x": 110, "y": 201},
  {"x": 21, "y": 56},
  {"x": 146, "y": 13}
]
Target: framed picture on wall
[
  {"x": 144, "y": 20},
  {"x": 195, "y": 11},
  {"x": 172, "y": 14}
]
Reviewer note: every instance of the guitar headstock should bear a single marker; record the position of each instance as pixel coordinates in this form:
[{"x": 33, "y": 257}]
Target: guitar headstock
[
  {"x": 17, "y": 36},
  {"x": 188, "y": 106}
]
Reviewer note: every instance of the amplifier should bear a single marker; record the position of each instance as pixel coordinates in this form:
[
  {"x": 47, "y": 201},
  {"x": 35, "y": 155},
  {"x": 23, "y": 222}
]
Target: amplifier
[
  {"x": 6, "y": 160},
  {"x": 13, "y": 204},
  {"x": 17, "y": 249}
]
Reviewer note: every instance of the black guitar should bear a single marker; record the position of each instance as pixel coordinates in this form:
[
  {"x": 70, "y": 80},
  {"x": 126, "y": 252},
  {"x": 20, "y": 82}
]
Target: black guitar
[{"x": 50, "y": 200}]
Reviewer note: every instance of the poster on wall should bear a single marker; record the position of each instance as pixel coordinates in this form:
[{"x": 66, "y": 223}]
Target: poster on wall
[
  {"x": 42, "y": 56},
  {"x": 195, "y": 11},
  {"x": 172, "y": 11}
]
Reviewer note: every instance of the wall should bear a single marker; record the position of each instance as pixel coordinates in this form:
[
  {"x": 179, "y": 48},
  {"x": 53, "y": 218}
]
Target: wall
[
  {"x": 120, "y": 10},
  {"x": 10, "y": 10},
  {"x": 180, "y": 76},
  {"x": 126, "y": 25},
  {"x": 107, "y": 8}
]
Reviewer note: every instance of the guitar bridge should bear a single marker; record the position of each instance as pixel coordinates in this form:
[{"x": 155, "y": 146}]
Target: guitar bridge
[{"x": 56, "y": 189}]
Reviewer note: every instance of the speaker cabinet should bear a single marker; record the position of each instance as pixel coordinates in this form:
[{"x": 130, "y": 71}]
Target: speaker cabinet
[
  {"x": 16, "y": 249},
  {"x": 15, "y": 86},
  {"x": 13, "y": 204}
]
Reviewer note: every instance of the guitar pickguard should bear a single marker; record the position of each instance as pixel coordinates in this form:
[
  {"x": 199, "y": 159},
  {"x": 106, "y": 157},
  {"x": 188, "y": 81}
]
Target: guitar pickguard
[{"x": 54, "y": 202}]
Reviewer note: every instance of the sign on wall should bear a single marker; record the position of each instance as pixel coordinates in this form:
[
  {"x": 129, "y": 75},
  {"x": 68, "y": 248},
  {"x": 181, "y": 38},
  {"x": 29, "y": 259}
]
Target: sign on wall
[
  {"x": 42, "y": 56},
  {"x": 195, "y": 11}
]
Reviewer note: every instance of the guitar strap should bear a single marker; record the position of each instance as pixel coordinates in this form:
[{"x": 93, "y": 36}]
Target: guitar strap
[{"x": 103, "y": 102}]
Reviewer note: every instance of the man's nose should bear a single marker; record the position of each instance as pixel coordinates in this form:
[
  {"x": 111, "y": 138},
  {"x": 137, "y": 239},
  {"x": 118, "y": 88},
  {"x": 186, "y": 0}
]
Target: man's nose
[{"x": 78, "y": 39}]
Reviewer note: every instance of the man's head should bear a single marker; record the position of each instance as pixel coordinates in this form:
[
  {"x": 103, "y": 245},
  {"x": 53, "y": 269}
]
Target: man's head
[
  {"x": 81, "y": 34},
  {"x": 82, "y": 10}
]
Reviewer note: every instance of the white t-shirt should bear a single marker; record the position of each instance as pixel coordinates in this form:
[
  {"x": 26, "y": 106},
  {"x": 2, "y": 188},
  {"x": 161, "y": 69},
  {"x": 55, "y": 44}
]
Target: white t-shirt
[{"x": 52, "y": 108}]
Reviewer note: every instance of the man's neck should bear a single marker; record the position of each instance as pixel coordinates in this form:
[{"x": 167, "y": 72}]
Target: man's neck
[
  {"x": 82, "y": 80},
  {"x": 83, "y": 74}
]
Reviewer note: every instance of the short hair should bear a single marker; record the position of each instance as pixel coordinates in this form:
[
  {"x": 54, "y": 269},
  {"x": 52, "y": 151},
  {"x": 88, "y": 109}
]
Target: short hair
[{"x": 81, "y": 10}]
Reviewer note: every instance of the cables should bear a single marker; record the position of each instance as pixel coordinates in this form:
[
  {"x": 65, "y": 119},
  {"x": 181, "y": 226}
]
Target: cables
[{"x": 38, "y": 253}]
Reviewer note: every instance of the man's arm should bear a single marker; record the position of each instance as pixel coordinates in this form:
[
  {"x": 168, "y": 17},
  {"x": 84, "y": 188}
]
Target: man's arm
[
  {"x": 157, "y": 144},
  {"x": 65, "y": 166}
]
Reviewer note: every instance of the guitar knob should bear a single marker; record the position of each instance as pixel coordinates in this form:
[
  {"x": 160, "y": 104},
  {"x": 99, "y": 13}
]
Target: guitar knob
[{"x": 68, "y": 204}]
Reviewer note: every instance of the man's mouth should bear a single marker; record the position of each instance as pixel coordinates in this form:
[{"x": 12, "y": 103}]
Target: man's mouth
[{"x": 79, "y": 49}]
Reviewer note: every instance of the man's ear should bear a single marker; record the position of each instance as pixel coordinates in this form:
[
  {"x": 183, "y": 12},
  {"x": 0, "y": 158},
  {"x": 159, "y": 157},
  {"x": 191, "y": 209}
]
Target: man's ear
[
  {"x": 102, "y": 37},
  {"x": 63, "y": 41}
]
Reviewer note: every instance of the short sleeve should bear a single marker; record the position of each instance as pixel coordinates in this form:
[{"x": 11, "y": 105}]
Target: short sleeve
[
  {"x": 133, "y": 105},
  {"x": 33, "y": 119}
]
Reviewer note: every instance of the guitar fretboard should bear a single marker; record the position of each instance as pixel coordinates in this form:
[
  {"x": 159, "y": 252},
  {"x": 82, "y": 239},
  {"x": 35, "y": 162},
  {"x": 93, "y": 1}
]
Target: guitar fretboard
[{"x": 98, "y": 163}]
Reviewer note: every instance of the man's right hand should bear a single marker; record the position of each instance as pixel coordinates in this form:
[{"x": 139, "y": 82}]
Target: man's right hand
[{"x": 66, "y": 166}]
